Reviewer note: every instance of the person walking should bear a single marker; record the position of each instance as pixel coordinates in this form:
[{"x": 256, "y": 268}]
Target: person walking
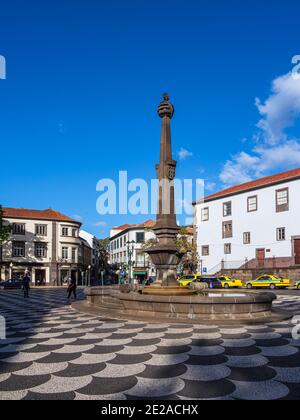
[
  {"x": 26, "y": 286},
  {"x": 72, "y": 289}
]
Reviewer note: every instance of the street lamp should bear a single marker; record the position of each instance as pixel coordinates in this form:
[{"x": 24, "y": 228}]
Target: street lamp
[
  {"x": 10, "y": 270},
  {"x": 102, "y": 277},
  {"x": 89, "y": 279},
  {"x": 130, "y": 253}
]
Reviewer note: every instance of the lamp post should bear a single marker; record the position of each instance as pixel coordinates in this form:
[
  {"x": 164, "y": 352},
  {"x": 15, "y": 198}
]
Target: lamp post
[
  {"x": 130, "y": 254},
  {"x": 102, "y": 277},
  {"x": 89, "y": 279}
]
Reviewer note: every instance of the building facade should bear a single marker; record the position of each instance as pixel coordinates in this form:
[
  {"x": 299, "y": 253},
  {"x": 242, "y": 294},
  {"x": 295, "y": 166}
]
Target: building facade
[
  {"x": 254, "y": 225},
  {"x": 94, "y": 262},
  {"x": 126, "y": 245},
  {"x": 46, "y": 244}
]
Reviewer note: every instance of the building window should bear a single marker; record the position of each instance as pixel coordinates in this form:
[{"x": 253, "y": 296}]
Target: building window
[
  {"x": 205, "y": 251},
  {"x": 227, "y": 249},
  {"x": 19, "y": 249},
  {"x": 227, "y": 230},
  {"x": 140, "y": 237},
  {"x": 41, "y": 230},
  {"x": 41, "y": 250},
  {"x": 252, "y": 203},
  {"x": 65, "y": 253},
  {"x": 140, "y": 259},
  {"x": 227, "y": 209},
  {"x": 65, "y": 231},
  {"x": 74, "y": 254},
  {"x": 282, "y": 200},
  {"x": 74, "y": 233},
  {"x": 205, "y": 214},
  {"x": 19, "y": 229},
  {"x": 247, "y": 238},
  {"x": 281, "y": 236}
]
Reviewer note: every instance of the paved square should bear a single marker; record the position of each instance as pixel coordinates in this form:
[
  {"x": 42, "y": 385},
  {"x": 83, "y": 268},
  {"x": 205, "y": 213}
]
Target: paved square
[{"x": 54, "y": 352}]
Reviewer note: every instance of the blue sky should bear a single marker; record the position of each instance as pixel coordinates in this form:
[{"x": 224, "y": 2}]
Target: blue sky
[{"x": 84, "y": 78}]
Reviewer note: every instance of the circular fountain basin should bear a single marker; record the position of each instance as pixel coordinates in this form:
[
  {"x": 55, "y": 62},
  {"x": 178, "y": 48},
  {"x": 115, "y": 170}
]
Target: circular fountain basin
[
  {"x": 168, "y": 291},
  {"x": 209, "y": 306}
]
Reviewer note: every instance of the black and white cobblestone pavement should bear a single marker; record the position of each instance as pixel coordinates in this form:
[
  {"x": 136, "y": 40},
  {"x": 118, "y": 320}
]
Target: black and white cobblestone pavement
[{"x": 54, "y": 352}]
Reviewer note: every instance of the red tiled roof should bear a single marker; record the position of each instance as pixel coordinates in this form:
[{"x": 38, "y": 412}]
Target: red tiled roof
[
  {"x": 252, "y": 185},
  {"x": 147, "y": 225},
  {"x": 190, "y": 230},
  {"x": 123, "y": 227},
  {"x": 48, "y": 214}
]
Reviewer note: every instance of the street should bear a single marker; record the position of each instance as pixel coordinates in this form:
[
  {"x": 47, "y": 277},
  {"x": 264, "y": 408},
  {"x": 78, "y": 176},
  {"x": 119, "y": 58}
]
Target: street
[{"x": 54, "y": 352}]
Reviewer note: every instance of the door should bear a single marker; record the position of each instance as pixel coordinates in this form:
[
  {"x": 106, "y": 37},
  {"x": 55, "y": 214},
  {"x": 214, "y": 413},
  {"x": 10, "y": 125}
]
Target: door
[
  {"x": 40, "y": 277},
  {"x": 261, "y": 256},
  {"x": 297, "y": 251}
]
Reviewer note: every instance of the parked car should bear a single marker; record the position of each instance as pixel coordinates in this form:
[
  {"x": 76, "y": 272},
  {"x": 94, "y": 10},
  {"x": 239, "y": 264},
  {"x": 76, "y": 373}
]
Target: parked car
[
  {"x": 297, "y": 285},
  {"x": 212, "y": 282},
  {"x": 230, "y": 283},
  {"x": 270, "y": 282},
  {"x": 11, "y": 284},
  {"x": 186, "y": 280}
]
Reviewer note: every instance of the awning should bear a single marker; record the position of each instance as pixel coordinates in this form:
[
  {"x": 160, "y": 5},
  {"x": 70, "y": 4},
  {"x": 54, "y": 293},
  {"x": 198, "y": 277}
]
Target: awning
[{"x": 139, "y": 273}]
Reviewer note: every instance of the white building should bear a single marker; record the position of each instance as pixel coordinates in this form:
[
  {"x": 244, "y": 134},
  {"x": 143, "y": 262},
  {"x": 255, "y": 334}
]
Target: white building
[
  {"x": 44, "y": 243},
  {"x": 136, "y": 235},
  {"x": 251, "y": 225},
  {"x": 95, "y": 247}
]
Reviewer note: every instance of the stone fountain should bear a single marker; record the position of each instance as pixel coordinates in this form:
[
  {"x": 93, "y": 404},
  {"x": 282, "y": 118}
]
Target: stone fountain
[
  {"x": 165, "y": 300},
  {"x": 165, "y": 255}
]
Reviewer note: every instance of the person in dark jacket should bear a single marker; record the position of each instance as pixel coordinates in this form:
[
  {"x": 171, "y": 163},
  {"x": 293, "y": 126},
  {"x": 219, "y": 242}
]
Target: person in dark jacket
[
  {"x": 26, "y": 285},
  {"x": 72, "y": 289}
]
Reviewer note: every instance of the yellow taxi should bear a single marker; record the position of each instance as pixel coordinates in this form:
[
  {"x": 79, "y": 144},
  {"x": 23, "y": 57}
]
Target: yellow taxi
[
  {"x": 269, "y": 281},
  {"x": 297, "y": 285},
  {"x": 230, "y": 283},
  {"x": 188, "y": 279}
]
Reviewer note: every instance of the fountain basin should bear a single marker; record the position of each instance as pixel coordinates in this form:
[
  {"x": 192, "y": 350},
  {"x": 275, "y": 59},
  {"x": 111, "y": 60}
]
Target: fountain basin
[{"x": 222, "y": 306}]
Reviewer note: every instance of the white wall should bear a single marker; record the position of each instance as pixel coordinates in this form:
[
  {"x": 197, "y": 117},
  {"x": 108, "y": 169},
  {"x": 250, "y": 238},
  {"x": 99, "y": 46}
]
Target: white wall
[
  {"x": 128, "y": 236},
  {"x": 262, "y": 224}
]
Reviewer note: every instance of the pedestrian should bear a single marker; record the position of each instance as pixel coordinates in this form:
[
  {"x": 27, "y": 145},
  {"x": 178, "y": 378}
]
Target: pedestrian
[
  {"x": 26, "y": 286},
  {"x": 72, "y": 289}
]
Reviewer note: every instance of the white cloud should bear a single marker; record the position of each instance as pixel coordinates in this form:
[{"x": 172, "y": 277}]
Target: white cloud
[
  {"x": 274, "y": 150},
  {"x": 280, "y": 110},
  {"x": 100, "y": 224},
  {"x": 210, "y": 186},
  {"x": 78, "y": 217},
  {"x": 239, "y": 169},
  {"x": 184, "y": 154}
]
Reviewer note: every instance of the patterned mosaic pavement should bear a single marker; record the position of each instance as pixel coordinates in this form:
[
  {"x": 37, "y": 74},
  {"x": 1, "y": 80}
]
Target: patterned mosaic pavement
[{"x": 53, "y": 352}]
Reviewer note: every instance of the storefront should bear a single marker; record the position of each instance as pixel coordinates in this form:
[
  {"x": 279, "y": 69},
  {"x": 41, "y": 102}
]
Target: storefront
[
  {"x": 141, "y": 276},
  {"x": 39, "y": 274},
  {"x": 66, "y": 275}
]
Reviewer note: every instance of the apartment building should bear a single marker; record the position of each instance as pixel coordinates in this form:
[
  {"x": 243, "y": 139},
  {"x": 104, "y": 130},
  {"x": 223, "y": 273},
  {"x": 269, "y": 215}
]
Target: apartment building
[
  {"x": 45, "y": 244},
  {"x": 126, "y": 245},
  {"x": 253, "y": 225}
]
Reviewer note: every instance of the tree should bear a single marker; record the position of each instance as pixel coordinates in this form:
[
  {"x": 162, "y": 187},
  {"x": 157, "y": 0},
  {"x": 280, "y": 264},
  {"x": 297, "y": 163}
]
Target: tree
[
  {"x": 187, "y": 247},
  {"x": 5, "y": 231},
  {"x": 103, "y": 253}
]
